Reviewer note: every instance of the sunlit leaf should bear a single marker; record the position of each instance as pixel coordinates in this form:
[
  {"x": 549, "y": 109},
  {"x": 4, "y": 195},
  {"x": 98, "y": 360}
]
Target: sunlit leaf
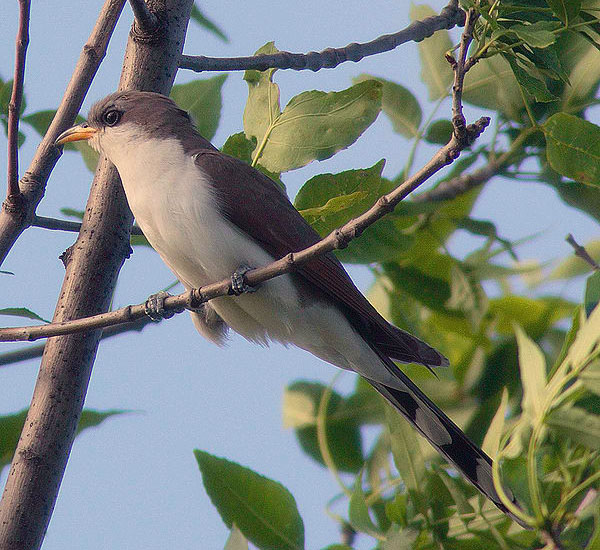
[
  {"x": 202, "y": 99},
  {"x": 301, "y": 403},
  {"x": 533, "y": 374},
  {"x": 578, "y": 425},
  {"x": 262, "y": 509},
  {"x": 573, "y": 147},
  {"x": 492, "y": 84},
  {"x": 435, "y": 70},
  {"x": 400, "y": 106},
  {"x": 491, "y": 441},
  {"x": 315, "y": 125},
  {"x": 236, "y": 540}
]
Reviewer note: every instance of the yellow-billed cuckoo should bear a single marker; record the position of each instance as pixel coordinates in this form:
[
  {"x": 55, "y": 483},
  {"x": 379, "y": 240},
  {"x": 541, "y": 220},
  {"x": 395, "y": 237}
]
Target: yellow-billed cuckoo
[{"x": 207, "y": 214}]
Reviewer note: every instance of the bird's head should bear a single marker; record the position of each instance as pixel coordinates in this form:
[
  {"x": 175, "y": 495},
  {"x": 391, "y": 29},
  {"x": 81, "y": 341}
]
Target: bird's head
[{"x": 126, "y": 117}]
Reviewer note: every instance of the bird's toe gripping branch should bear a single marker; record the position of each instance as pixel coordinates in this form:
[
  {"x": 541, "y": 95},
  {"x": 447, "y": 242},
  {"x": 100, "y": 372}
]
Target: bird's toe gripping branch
[
  {"x": 238, "y": 281},
  {"x": 155, "y": 307}
]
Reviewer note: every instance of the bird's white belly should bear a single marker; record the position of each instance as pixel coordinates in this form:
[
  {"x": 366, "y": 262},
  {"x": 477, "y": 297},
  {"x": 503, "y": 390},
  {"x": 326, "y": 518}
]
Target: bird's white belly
[
  {"x": 174, "y": 204},
  {"x": 177, "y": 212}
]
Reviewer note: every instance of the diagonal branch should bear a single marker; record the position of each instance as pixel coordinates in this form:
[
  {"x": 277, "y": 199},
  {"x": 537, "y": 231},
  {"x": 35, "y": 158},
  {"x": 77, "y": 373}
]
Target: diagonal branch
[
  {"x": 329, "y": 58},
  {"x": 14, "y": 107},
  {"x": 14, "y": 219},
  {"x": 335, "y": 240}
]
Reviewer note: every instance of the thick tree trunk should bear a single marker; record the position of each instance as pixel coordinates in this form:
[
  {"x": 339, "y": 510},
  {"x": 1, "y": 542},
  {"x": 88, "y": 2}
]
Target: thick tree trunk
[{"x": 93, "y": 264}]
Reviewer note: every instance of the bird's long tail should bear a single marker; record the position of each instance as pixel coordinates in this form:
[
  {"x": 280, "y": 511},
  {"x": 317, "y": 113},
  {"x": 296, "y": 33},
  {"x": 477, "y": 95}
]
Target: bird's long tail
[{"x": 442, "y": 433}]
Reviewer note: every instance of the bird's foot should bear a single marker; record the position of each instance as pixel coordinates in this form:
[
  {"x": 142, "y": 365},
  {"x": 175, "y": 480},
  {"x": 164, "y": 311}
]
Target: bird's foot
[
  {"x": 155, "y": 307},
  {"x": 238, "y": 281}
]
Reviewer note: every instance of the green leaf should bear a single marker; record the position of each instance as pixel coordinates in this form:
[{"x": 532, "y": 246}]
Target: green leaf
[
  {"x": 533, "y": 86},
  {"x": 586, "y": 339},
  {"x": 205, "y": 22},
  {"x": 401, "y": 539},
  {"x": 435, "y": 70},
  {"x": 327, "y": 201},
  {"x": 491, "y": 84},
  {"x": 202, "y": 100},
  {"x": 565, "y": 10},
  {"x": 582, "y": 62},
  {"x": 466, "y": 295},
  {"x": 5, "y": 95},
  {"x": 573, "y": 147},
  {"x": 358, "y": 511},
  {"x": 238, "y": 146},
  {"x": 533, "y": 374},
  {"x": 405, "y": 450},
  {"x": 301, "y": 402},
  {"x": 380, "y": 242},
  {"x": 576, "y": 424},
  {"x": 262, "y": 107},
  {"x": 236, "y": 540},
  {"x": 72, "y": 213},
  {"x": 263, "y": 510},
  {"x": 456, "y": 490},
  {"x": 12, "y": 424},
  {"x": 399, "y": 104},
  {"x": 592, "y": 292},
  {"x": 491, "y": 441},
  {"x": 315, "y": 125},
  {"x": 590, "y": 377},
  {"x": 536, "y": 35},
  {"x": 22, "y": 312},
  {"x": 439, "y": 132}
]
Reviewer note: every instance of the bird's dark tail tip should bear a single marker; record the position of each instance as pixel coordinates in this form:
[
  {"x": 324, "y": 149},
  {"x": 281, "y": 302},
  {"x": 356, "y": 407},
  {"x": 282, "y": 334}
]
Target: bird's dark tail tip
[{"x": 446, "y": 437}]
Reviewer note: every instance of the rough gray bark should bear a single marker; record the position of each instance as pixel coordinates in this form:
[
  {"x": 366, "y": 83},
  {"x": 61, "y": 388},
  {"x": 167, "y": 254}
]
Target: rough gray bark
[{"x": 93, "y": 264}]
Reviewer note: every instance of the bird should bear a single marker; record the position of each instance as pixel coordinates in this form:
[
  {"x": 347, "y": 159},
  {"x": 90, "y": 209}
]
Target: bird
[{"x": 211, "y": 216}]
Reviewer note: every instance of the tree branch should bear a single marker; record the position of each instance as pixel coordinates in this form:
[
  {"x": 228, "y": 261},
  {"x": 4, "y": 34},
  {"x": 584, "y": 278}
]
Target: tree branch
[
  {"x": 31, "y": 352},
  {"x": 14, "y": 219},
  {"x": 582, "y": 253},
  {"x": 145, "y": 21},
  {"x": 94, "y": 262},
  {"x": 67, "y": 225},
  {"x": 337, "y": 239},
  {"x": 14, "y": 107},
  {"x": 329, "y": 58}
]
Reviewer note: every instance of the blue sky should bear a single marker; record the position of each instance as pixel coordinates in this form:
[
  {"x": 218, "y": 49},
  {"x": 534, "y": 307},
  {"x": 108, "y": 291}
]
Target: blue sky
[{"x": 133, "y": 482}]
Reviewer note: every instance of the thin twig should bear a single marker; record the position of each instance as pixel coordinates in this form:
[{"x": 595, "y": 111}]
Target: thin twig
[
  {"x": 31, "y": 352},
  {"x": 582, "y": 253},
  {"x": 461, "y": 66},
  {"x": 14, "y": 220},
  {"x": 145, "y": 21},
  {"x": 14, "y": 107},
  {"x": 329, "y": 58},
  {"x": 67, "y": 225},
  {"x": 337, "y": 239}
]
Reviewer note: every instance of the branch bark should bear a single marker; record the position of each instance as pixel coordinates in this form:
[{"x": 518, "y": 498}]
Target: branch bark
[
  {"x": 94, "y": 263},
  {"x": 14, "y": 107},
  {"x": 15, "y": 218},
  {"x": 145, "y": 21},
  {"x": 329, "y": 58},
  {"x": 67, "y": 225},
  {"x": 337, "y": 239}
]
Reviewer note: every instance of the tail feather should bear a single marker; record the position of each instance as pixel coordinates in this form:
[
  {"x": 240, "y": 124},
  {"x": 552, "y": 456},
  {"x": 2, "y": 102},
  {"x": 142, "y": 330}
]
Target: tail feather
[{"x": 443, "y": 434}]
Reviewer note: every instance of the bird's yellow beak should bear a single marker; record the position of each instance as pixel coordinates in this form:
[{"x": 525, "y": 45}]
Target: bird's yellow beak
[{"x": 76, "y": 133}]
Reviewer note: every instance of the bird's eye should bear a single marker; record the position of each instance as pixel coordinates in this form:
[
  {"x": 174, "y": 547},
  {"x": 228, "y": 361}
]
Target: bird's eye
[{"x": 112, "y": 117}]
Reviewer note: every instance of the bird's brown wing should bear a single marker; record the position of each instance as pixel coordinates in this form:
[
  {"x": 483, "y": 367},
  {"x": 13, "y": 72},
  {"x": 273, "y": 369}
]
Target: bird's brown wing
[{"x": 258, "y": 206}]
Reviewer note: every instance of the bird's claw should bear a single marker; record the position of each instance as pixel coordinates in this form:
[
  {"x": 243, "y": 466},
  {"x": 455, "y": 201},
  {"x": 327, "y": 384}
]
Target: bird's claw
[
  {"x": 155, "y": 307},
  {"x": 238, "y": 281}
]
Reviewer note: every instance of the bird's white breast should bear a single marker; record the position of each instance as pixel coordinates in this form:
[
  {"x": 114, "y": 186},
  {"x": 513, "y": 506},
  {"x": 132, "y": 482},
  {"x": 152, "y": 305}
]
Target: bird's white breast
[{"x": 174, "y": 203}]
